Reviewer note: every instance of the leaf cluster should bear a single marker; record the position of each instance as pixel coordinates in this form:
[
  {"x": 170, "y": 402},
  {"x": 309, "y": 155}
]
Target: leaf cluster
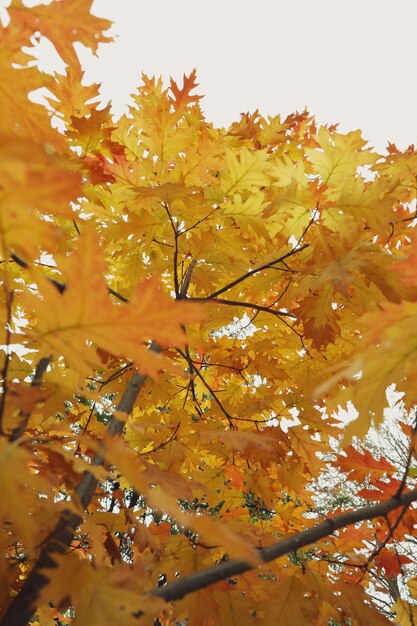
[{"x": 184, "y": 310}]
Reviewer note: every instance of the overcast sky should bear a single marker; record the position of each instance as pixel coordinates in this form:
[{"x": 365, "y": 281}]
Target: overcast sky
[
  {"x": 347, "y": 61},
  {"x": 352, "y": 62}
]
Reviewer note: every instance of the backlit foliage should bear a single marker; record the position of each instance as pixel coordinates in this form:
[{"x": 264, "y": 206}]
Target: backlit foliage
[{"x": 273, "y": 267}]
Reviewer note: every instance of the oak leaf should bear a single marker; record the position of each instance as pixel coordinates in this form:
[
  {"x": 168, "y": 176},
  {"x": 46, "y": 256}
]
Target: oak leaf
[
  {"x": 67, "y": 323},
  {"x": 360, "y": 464},
  {"x": 64, "y": 22}
]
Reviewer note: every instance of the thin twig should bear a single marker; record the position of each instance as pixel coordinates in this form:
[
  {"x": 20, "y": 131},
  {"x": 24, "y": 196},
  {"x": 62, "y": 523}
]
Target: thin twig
[
  {"x": 164, "y": 443},
  {"x": 210, "y": 390},
  {"x": 258, "y": 269},
  {"x": 409, "y": 456},
  {"x": 246, "y": 305},
  {"x": 5, "y": 370},
  {"x": 61, "y": 287},
  {"x": 391, "y": 530}
]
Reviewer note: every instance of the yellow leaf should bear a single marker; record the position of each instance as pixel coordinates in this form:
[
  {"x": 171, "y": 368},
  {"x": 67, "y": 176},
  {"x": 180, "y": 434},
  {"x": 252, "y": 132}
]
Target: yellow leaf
[
  {"x": 67, "y": 323},
  {"x": 162, "y": 489},
  {"x": 339, "y": 158},
  {"x": 212, "y": 531},
  {"x": 245, "y": 171},
  {"x": 109, "y": 597},
  {"x": 21, "y": 488}
]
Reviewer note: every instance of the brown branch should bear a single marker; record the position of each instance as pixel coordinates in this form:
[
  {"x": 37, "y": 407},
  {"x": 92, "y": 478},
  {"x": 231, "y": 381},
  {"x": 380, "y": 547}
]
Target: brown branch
[
  {"x": 188, "y": 584},
  {"x": 36, "y": 382},
  {"x": 163, "y": 444},
  {"x": 5, "y": 369},
  {"x": 21, "y": 609},
  {"x": 233, "y": 368},
  {"x": 392, "y": 529},
  {"x": 409, "y": 456},
  {"x": 175, "y": 257},
  {"x": 246, "y": 305},
  {"x": 200, "y": 221},
  {"x": 390, "y": 534},
  {"x": 61, "y": 287},
  {"x": 191, "y": 385},
  {"x": 195, "y": 369},
  {"x": 102, "y": 383},
  {"x": 117, "y": 295},
  {"x": 86, "y": 487},
  {"x": 257, "y": 269},
  {"x": 186, "y": 282},
  {"x": 319, "y": 557}
]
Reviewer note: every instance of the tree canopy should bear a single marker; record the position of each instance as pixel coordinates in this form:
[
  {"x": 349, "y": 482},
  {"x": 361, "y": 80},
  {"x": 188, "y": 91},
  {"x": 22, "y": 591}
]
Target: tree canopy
[{"x": 186, "y": 311}]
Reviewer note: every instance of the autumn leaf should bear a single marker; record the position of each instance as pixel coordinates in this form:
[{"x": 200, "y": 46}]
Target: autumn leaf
[
  {"x": 291, "y": 604},
  {"x": 183, "y": 97},
  {"x": 244, "y": 171},
  {"x": 339, "y": 158},
  {"x": 391, "y": 562},
  {"x": 66, "y": 322},
  {"x": 159, "y": 493},
  {"x": 359, "y": 465},
  {"x": 63, "y": 22},
  {"x": 18, "y": 479},
  {"x": 33, "y": 183},
  {"x": 187, "y": 310},
  {"x": 98, "y": 593}
]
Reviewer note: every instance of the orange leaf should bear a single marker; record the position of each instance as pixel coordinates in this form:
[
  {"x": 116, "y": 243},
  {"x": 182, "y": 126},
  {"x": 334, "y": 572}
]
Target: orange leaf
[{"x": 360, "y": 464}]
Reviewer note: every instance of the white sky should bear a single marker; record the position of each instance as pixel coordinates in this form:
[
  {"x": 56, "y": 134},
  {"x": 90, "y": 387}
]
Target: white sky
[{"x": 348, "y": 61}]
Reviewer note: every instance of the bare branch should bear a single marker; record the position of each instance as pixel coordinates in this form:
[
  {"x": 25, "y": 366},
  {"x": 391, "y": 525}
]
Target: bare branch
[
  {"x": 187, "y": 279},
  {"x": 117, "y": 295},
  {"x": 62, "y": 286},
  {"x": 175, "y": 258}
]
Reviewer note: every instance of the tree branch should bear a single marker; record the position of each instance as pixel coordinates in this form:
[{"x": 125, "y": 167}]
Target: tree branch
[
  {"x": 175, "y": 258},
  {"x": 186, "y": 282},
  {"x": 245, "y": 305},
  {"x": 62, "y": 286},
  {"x": 5, "y": 369},
  {"x": 209, "y": 389},
  {"x": 409, "y": 456},
  {"x": 256, "y": 270},
  {"x": 21, "y": 609},
  {"x": 36, "y": 382},
  {"x": 183, "y": 586},
  {"x": 23, "y": 606}
]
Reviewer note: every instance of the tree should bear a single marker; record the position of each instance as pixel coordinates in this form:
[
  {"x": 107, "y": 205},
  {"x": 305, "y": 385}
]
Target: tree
[{"x": 184, "y": 309}]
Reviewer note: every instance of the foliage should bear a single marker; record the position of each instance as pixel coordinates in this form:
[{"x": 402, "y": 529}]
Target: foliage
[{"x": 184, "y": 308}]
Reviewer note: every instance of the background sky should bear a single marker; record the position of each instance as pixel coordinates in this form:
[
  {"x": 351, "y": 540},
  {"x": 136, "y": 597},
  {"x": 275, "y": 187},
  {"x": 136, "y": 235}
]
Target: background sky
[
  {"x": 347, "y": 61},
  {"x": 353, "y": 62}
]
